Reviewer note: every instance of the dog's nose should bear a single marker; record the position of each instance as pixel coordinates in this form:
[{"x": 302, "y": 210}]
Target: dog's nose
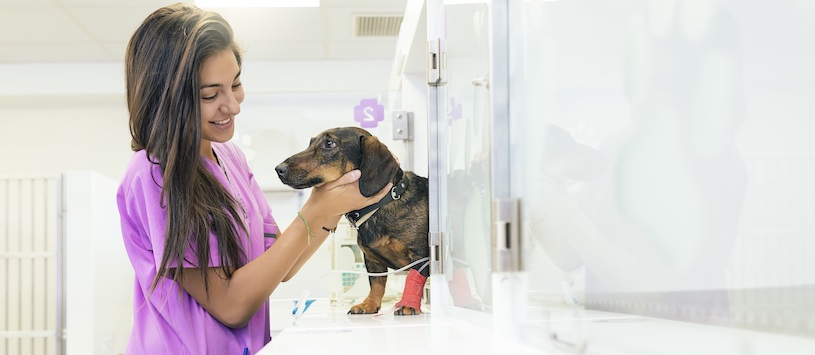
[{"x": 282, "y": 169}]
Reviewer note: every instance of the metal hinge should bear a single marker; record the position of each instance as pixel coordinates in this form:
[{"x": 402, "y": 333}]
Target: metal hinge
[
  {"x": 436, "y": 252},
  {"x": 506, "y": 235},
  {"x": 436, "y": 63}
]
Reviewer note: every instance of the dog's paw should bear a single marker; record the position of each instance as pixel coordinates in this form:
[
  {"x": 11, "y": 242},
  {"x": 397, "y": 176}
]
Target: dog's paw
[
  {"x": 364, "y": 308},
  {"x": 407, "y": 311}
]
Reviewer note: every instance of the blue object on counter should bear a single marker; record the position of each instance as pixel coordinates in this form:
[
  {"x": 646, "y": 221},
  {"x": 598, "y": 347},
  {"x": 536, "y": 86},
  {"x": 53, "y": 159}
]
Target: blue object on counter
[{"x": 305, "y": 308}]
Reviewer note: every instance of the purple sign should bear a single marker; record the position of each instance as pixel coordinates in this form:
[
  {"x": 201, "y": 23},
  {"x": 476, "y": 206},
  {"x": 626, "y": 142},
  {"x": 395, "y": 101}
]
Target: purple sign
[
  {"x": 369, "y": 113},
  {"x": 455, "y": 112}
]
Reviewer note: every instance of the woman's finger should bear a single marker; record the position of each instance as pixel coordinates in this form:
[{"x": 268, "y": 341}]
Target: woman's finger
[{"x": 348, "y": 178}]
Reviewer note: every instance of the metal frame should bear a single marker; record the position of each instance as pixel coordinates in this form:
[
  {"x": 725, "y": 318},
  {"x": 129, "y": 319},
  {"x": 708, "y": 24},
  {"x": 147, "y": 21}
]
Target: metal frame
[{"x": 437, "y": 135}]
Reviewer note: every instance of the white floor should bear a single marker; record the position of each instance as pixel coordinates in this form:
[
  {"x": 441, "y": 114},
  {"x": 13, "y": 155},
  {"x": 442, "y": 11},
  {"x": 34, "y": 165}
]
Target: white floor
[{"x": 328, "y": 329}]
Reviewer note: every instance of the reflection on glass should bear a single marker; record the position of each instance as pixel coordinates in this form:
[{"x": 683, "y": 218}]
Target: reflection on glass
[{"x": 666, "y": 169}]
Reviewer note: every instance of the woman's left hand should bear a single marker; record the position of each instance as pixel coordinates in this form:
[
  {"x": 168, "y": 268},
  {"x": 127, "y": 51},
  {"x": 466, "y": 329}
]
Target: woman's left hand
[{"x": 341, "y": 196}]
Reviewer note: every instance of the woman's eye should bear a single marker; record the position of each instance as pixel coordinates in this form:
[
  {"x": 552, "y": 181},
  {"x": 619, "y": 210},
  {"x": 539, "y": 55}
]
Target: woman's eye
[
  {"x": 235, "y": 86},
  {"x": 208, "y": 98},
  {"x": 329, "y": 144}
]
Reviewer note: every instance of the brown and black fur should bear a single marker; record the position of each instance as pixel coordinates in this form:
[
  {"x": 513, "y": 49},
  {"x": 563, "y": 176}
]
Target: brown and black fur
[{"x": 394, "y": 236}]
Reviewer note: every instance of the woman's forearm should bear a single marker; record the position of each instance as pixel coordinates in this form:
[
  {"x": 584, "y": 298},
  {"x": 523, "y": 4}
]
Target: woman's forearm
[{"x": 234, "y": 301}]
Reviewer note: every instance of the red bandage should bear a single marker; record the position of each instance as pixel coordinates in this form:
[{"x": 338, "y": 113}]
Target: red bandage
[{"x": 414, "y": 287}]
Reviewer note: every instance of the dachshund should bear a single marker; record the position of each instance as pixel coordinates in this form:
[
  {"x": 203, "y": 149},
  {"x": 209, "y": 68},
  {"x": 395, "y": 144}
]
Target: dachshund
[{"x": 392, "y": 233}]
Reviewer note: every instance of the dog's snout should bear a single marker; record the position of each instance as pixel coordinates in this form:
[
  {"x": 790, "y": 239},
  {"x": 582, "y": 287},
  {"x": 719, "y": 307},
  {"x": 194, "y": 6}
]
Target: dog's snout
[{"x": 282, "y": 169}]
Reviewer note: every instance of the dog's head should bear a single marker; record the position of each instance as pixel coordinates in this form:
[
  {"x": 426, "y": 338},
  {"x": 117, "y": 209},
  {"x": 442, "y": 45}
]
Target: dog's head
[{"x": 335, "y": 152}]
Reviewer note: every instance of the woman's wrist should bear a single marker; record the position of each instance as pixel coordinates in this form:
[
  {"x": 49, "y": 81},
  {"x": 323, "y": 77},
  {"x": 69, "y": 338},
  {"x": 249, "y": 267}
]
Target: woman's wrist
[
  {"x": 312, "y": 213},
  {"x": 318, "y": 221}
]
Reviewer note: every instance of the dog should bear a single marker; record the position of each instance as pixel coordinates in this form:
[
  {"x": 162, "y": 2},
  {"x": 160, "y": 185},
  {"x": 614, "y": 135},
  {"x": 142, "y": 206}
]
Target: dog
[{"x": 392, "y": 233}]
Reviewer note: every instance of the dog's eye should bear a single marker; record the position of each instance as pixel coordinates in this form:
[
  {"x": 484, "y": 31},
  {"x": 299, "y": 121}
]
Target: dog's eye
[{"x": 329, "y": 144}]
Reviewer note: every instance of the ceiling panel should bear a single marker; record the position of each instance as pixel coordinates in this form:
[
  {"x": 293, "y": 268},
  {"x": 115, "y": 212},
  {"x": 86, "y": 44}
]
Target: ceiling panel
[
  {"x": 275, "y": 24},
  {"x": 110, "y": 24},
  {"x": 30, "y": 3},
  {"x": 110, "y": 3},
  {"x": 263, "y": 51},
  {"x": 44, "y": 25},
  {"x": 371, "y": 49},
  {"x": 50, "y": 31}
]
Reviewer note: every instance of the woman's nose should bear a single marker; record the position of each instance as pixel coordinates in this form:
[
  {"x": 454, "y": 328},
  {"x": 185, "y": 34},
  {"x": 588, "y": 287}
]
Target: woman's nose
[{"x": 232, "y": 106}]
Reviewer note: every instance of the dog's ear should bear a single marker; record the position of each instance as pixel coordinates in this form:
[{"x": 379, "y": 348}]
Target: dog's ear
[{"x": 378, "y": 166}]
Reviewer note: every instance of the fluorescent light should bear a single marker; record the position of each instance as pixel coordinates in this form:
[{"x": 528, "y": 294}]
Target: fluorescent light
[
  {"x": 463, "y": 2},
  {"x": 258, "y": 3}
]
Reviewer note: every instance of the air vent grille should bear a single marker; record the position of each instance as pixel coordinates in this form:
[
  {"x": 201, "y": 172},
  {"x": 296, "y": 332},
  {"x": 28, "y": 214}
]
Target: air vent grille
[{"x": 377, "y": 25}]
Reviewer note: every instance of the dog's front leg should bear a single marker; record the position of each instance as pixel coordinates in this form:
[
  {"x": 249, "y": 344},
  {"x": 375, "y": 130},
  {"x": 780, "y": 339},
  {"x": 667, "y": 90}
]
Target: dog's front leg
[{"x": 373, "y": 302}]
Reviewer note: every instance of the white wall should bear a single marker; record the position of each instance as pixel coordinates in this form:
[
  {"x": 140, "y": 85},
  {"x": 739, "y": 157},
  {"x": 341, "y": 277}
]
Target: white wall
[{"x": 52, "y": 134}]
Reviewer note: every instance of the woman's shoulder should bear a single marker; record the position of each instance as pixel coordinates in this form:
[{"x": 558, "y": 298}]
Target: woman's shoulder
[{"x": 141, "y": 167}]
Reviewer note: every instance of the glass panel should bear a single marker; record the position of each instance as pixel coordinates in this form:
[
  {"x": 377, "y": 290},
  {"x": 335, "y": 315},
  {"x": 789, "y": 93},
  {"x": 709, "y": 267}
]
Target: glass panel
[
  {"x": 467, "y": 264},
  {"x": 667, "y": 167}
]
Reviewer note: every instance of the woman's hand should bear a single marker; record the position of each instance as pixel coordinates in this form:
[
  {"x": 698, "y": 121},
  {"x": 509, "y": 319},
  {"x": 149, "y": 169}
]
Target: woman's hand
[{"x": 341, "y": 196}]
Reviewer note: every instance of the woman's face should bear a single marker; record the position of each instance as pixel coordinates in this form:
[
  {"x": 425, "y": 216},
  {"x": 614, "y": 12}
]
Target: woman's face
[{"x": 221, "y": 97}]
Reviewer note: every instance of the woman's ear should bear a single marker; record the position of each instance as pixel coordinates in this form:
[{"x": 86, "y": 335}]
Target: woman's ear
[{"x": 378, "y": 166}]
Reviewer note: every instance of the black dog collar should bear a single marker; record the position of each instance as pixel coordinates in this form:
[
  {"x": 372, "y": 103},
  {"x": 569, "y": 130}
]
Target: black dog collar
[{"x": 358, "y": 217}]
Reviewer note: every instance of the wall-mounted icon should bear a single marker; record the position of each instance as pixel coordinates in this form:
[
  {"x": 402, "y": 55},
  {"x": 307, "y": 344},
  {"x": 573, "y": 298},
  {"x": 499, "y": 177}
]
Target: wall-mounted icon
[{"x": 369, "y": 113}]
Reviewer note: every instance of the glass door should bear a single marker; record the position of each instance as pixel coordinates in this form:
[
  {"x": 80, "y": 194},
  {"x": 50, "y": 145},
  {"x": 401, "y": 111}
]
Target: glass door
[
  {"x": 662, "y": 155},
  {"x": 458, "y": 31}
]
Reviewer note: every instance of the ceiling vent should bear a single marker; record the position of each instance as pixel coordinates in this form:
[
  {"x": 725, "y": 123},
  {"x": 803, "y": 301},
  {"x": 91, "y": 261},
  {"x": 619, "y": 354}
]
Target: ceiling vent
[{"x": 377, "y": 25}]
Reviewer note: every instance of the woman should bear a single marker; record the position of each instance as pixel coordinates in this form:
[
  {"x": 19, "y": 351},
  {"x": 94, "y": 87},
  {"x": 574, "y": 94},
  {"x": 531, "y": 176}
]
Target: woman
[{"x": 206, "y": 251}]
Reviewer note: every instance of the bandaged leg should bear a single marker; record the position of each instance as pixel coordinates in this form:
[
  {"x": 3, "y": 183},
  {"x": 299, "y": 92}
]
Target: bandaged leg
[{"x": 414, "y": 288}]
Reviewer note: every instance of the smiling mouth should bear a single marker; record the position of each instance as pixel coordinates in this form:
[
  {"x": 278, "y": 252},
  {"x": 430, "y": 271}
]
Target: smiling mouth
[{"x": 226, "y": 121}]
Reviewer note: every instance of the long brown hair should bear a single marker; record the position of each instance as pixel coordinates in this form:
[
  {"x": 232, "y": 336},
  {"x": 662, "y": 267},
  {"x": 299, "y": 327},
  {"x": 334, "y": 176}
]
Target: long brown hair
[{"x": 162, "y": 65}]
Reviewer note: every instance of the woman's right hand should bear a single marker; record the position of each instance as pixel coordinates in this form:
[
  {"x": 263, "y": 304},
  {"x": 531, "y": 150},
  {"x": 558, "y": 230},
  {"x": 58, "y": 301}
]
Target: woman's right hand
[{"x": 341, "y": 196}]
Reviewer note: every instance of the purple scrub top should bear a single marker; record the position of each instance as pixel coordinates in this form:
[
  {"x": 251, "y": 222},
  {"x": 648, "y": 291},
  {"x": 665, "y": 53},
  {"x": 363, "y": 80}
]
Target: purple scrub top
[{"x": 163, "y": 323}]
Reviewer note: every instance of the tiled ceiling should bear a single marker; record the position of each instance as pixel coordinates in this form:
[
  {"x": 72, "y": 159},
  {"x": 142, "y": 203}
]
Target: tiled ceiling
[{"x": 71, "y": 31}]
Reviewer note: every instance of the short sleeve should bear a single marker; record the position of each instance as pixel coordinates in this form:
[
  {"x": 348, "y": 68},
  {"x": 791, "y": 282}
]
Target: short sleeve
[{"x": 144, "y": 219}]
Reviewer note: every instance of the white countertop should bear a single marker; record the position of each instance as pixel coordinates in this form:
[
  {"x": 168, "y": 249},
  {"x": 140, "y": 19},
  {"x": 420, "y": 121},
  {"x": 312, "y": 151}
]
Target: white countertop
[{"x": 328, "y": 329}]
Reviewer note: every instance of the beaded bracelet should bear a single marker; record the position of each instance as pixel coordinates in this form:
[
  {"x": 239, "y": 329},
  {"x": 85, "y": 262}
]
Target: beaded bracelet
[{"x": 307, "y": 227}]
